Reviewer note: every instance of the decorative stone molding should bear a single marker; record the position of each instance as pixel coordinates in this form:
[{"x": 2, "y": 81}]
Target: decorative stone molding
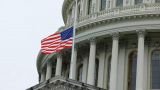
[
  {"x": 60, "y": 83},
  {"x": 117, "y": 14},
  {"x": 92, "y": 40},
  {"x": 86, "y": 35},
  {"x": 141, "y": 33},
  {"x": 154, "y": 43},
  {"x": 115, "y": 35}
]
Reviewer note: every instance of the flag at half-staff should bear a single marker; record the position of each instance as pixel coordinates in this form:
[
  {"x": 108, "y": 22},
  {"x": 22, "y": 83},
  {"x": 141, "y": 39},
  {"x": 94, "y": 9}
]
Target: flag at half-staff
[{"x": 57, "y": 41}]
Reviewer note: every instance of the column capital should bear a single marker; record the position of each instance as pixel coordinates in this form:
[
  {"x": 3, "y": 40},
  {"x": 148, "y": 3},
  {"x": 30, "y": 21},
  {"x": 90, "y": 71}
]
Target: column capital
[
  {"x": 92, "y": 40},
  {"x": 140, "y": 33},
  {"x": 115, "y": 35}
]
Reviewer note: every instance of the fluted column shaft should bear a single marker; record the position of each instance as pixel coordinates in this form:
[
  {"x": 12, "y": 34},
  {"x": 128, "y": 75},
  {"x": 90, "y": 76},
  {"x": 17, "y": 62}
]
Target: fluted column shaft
[
  {"x": 91, "y": 67},
  {"x": 114, "y": 62},
  {"x": 49, "y": 70},
  {"x": 42, "y": 76},
  {"x": 59, "y": 65},
  {"x": 73, "y": 66},
  {"x": 140, "y": 62}
]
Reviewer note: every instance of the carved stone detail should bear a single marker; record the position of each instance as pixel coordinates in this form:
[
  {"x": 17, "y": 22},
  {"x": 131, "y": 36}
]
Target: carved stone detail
[
  {"x": 141, "y": 33},
  {"x": 115, "y": 35},
  {"x": 92, "y": 40}
]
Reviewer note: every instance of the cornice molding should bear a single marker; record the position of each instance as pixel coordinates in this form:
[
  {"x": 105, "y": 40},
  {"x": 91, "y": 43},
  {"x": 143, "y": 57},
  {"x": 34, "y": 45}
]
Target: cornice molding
[{"x": 98, "y": 33}]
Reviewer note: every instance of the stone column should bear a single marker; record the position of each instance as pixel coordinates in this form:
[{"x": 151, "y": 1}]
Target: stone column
[
  {"x": 101, "y": 68},
  {"x": 59, "y": 65},
  {"x": 73, "y": 66},
  {"x": 85, "y": 69},
  {"x": 49, "y": 70},
  {"x": 114, "y": 62},
  {"x": 91, "y": 67},
  {"x": 140, "y": 61},
  {"x": 42, "y": 76}
]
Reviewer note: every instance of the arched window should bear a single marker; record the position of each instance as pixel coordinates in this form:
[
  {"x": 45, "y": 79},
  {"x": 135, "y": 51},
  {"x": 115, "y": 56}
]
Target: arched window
[
  {"x": 138, "y": 2},
  {"x": 103, "y": 4},
  {"x": 132, "y": 69},
  {"x": 155, "y": 69},
  {"x": 80, "y": 70},
  {"x": 96, "y": 72},
  {"x": 89, "y": 6},
  {"x": 119, "y": 2}
]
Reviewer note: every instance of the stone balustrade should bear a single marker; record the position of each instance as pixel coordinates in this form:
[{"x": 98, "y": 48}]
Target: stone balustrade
[{"x": 141, "y": 9}]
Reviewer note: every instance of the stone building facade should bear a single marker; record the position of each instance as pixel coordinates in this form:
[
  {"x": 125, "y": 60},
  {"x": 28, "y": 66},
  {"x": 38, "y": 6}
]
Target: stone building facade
[{"x": 117, "y": 48}]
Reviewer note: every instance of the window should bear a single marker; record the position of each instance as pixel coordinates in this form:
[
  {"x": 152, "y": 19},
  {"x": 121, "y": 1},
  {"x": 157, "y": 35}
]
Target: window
[
  {"x": 89, "y": 6},
  {"x": 155, "y": 69},
  {"x": 132, "y": 69},
  {"x": 80, "y": 70},
  {"x": 138, "y": 1},
  {"x": 119, "y": 2},
  {"x": 157, "y": 1},
  {"x": 103, "y": 4}
]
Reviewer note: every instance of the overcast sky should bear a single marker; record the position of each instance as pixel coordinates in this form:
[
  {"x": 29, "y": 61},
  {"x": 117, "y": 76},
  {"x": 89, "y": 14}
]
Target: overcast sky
[{"x": 23, "y": 23}]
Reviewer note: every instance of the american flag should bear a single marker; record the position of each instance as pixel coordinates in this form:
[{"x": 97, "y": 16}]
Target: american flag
[{"x": 56, "y": 42}]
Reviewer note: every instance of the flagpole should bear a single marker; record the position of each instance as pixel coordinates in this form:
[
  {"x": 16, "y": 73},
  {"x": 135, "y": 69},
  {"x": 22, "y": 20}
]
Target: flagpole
[{"x": 73, "y": 61}]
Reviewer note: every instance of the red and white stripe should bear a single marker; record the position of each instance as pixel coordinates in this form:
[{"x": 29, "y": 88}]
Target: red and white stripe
[{"x": 53, "y": 43}]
